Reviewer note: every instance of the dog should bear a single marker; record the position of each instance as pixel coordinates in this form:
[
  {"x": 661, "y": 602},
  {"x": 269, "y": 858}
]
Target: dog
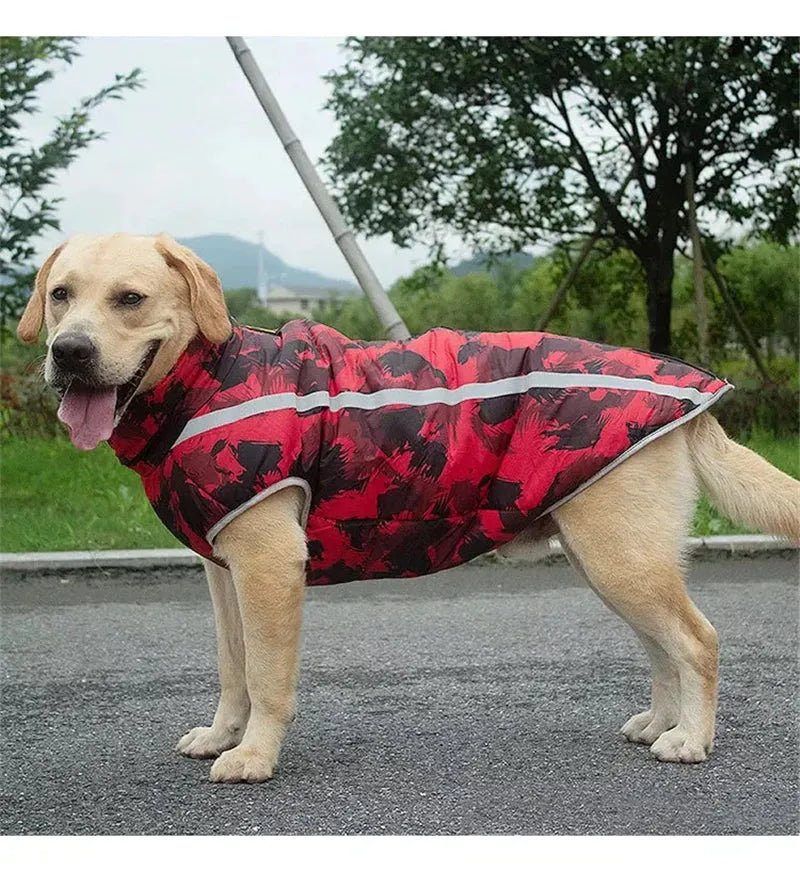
[{"x": 135, "y": 322}]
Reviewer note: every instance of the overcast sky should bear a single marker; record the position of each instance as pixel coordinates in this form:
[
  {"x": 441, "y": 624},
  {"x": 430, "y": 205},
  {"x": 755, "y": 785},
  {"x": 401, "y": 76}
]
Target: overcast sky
[{"x": 192, "y": 153}]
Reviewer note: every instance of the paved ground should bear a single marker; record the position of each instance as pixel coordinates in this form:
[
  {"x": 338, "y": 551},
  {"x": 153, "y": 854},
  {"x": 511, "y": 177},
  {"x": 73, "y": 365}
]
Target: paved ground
[{"x": 484, "y": 700}]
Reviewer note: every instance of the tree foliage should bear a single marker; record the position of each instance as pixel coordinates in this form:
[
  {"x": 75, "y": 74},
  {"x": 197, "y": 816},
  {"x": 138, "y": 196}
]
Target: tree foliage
[
  {"x": 765, "y": 279},
  {"x": 27, "y": 171},
  {"x": 606, "y": 304},
  {"x": 507, "y": 142}
]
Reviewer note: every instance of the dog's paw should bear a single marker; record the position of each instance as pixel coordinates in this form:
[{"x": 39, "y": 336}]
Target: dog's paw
[
  {"x": 207, "y": 742},
  {"x": 244, "y": 764},
  {"x": 678, "y": 745},
  {"x": 647, "y": 727}
]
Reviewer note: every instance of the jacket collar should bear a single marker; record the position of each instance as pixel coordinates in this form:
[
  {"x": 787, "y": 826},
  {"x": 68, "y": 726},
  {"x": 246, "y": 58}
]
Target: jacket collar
[{"x": 153, "y": 420}]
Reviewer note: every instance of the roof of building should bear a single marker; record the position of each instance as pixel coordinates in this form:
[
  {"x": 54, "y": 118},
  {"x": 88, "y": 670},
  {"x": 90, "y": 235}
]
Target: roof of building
[{"x": 297, "y": 291}]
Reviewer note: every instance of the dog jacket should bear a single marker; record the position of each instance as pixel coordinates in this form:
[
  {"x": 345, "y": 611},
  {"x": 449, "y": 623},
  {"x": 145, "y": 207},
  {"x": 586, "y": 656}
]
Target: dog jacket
[{"x": 414, "y": 456}]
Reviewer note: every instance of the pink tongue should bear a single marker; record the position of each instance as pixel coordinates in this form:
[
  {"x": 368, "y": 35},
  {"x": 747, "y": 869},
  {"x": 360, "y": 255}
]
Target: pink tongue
[{"x": 89, "y": 414}]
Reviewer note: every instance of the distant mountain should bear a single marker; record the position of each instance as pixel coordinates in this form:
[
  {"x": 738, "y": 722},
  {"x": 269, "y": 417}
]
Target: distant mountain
[
  {"x": 480, "y": 263},
  {"x": 236, "y": 263}
]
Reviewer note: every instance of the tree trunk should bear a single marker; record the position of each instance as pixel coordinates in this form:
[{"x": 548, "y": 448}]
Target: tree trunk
[
  {"x": 660, "y": 271},
  {"x": 741, "y": 327},
  {"x": 572, "y": 274},
  {"x": 700, "y": 303}
]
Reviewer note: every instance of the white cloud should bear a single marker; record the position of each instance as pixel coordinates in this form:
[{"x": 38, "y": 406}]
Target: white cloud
[{"x": 192, "y": 152}]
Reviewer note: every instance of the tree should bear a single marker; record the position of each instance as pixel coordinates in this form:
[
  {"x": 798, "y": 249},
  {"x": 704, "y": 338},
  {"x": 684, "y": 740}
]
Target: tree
[
  {"x": 27, "y": 208},
  {"x": 764, "y": 278},
  {"x": 239, "y": 300},
  {"x": 509, "y": 142}
]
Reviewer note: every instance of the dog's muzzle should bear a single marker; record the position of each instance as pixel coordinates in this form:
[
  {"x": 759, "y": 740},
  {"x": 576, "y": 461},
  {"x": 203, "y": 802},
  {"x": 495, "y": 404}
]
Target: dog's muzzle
[
  {"x": 75, "y": 354},
  {"x": 91, "y": 406}
]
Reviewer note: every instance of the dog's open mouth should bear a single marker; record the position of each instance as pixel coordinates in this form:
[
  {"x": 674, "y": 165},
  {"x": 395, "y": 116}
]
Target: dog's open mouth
[{"x": 91, "y": 412}]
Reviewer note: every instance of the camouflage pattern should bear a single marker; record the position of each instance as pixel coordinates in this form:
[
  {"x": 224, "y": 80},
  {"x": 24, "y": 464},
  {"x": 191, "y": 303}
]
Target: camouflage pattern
[{"x": 398, "y": 490}]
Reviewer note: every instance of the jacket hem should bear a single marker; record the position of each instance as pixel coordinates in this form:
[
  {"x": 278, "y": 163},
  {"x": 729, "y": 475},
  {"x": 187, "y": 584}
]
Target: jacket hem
[{"x": 664, "y": 430}]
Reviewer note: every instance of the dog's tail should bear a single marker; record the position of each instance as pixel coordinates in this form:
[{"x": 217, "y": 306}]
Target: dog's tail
[{"x": 742, "y": 485}]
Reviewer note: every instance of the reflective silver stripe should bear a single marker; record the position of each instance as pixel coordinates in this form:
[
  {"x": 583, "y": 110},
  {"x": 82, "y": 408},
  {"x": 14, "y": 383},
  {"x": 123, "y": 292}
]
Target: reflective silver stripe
[
  {"x": 709, "y": 399},
  {"x": 431, "y": 396}
]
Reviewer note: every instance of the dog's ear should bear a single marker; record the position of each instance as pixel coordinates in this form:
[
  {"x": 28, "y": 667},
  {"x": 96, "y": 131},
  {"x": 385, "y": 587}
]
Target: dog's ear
[
  {"x": 205, "y": 291},
  {"x": 30, "y": 324}
]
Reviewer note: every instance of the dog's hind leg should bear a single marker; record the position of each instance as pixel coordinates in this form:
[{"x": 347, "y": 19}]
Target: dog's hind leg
[
  {"x": 233, "y": 709},
  {"x": 626, "y": 534},
  {"x": 665, "y": 705}
]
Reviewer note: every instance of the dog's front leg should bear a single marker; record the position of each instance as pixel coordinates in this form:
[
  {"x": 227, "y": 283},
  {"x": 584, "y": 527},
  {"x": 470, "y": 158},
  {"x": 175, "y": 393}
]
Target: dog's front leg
[
  {"x": 233, "y": 709},
  {"x": 266, "y": 550}
]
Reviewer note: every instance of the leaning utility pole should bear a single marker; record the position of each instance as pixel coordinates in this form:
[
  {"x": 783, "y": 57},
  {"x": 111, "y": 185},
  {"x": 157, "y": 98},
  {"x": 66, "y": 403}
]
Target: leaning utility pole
[{"x": 342, "y": 234}]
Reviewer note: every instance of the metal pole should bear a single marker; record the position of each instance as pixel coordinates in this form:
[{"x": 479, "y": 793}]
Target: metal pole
[{"x": 342, "y": 234}]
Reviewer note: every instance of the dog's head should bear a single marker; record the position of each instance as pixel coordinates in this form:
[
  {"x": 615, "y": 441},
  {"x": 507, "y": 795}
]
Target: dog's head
[{"x": 119, "y": 311}]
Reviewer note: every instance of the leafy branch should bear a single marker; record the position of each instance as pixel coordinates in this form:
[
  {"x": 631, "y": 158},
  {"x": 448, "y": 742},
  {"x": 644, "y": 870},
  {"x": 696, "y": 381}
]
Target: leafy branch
[{"x": 28, "y": 172}]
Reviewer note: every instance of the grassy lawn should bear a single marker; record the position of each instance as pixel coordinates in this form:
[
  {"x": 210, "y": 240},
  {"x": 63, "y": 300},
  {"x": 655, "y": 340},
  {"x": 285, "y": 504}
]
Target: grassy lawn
[
  {"x": 783, "y": 453},
  {"x": 54, "y": 497}
]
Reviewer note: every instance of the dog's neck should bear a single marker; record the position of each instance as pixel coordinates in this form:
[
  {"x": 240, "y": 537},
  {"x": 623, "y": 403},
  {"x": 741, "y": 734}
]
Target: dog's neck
[{"x": 155, "y": 418}]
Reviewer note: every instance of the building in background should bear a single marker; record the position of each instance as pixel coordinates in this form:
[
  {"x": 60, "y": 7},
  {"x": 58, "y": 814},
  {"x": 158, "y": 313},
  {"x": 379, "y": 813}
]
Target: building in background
[{"x": 300, "y": 299}]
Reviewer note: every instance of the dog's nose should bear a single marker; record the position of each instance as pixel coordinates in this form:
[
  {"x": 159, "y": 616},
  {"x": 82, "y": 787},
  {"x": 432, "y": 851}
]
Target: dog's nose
[{"x": 74, "y": 352}]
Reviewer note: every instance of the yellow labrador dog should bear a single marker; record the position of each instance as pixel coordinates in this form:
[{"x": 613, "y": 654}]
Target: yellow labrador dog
[{"x": 121, "y": 310}]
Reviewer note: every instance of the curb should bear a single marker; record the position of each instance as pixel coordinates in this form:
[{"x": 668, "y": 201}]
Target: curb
[
  {"x": 99, "y": 559},
  {"x": 177, "y": 557}
]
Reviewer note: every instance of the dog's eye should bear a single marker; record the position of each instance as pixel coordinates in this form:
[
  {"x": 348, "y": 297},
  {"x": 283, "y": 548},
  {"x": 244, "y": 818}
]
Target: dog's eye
[
  {"x": 59, "y": 294},
  {"x": 130, "y": 298}
]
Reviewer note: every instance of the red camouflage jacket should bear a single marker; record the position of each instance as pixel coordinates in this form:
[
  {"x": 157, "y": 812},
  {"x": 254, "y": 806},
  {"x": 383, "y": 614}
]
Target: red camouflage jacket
[{"x": 414, "y": 456}]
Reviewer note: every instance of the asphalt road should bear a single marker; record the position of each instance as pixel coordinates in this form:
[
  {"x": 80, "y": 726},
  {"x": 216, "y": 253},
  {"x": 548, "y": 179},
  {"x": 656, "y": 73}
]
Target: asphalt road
[{"x": 486, "y": 700}]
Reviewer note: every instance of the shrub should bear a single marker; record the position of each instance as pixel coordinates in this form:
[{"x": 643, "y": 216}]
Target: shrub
[
  {"x": 771, "y": 408},
  {"x": 27, "y": 407}
]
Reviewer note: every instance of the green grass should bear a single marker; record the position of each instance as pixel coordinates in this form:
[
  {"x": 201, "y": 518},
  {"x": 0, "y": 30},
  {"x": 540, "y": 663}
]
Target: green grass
[
  {"x": 54, "y": 497},
  {"x": 784, "y": 453}
]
